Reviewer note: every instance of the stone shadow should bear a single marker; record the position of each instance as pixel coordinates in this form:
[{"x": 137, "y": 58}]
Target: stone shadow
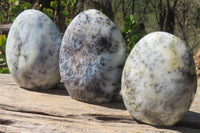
[{"x": 59, "y": 89}]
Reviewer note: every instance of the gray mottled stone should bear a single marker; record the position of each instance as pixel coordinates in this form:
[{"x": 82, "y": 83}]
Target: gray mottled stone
[
  {"x": 159, "y": 79},
  {"x": 92, "y": 57},
  {"x": 32, "y": 50}
]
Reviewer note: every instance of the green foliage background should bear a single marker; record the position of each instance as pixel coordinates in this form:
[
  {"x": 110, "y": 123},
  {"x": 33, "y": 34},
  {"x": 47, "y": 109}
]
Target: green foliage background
[
  {"x": 3, "y": 66},
  {"x": 132, "y": 32}
]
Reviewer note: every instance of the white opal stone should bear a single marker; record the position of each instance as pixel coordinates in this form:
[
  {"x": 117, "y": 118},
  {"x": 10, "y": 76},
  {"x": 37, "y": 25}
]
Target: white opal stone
[
  {"x": 32, "y": 50},
  {"x": 92, "y": 57},
  {"x": 159, "y": 80}
]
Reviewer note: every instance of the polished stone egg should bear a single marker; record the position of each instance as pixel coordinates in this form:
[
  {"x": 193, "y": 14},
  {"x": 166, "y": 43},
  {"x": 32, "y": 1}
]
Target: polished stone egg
[
  {"x": 32, "y": 50},
  {"x": 91, "y": 58},
  {"x": 159, "y": 79}
]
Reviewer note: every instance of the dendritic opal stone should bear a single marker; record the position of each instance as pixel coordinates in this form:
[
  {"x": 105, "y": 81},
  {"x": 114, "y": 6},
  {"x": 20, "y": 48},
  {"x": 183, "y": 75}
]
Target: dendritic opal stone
[
  {"x": 32, "y": 50},
  {"x": 159, "y": 79},
  {"x": 91, "y": 58}
]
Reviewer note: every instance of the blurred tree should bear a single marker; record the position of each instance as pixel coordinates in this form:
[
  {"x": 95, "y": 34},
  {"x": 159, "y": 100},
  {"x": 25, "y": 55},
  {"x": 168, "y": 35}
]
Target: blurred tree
[
  {"x": 106, "y": 6},
  {"x": 188, "y": 22},
  {"x": 165, "y": 14},
  {"x": 127, "y": 6}
]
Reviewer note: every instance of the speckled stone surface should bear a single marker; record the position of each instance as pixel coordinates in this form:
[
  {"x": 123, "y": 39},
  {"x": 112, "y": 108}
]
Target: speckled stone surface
[
  {"x": 92, "y": 57},
  {"x": 32, "y": 50},
  {"x": 159, "y": 79}
]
